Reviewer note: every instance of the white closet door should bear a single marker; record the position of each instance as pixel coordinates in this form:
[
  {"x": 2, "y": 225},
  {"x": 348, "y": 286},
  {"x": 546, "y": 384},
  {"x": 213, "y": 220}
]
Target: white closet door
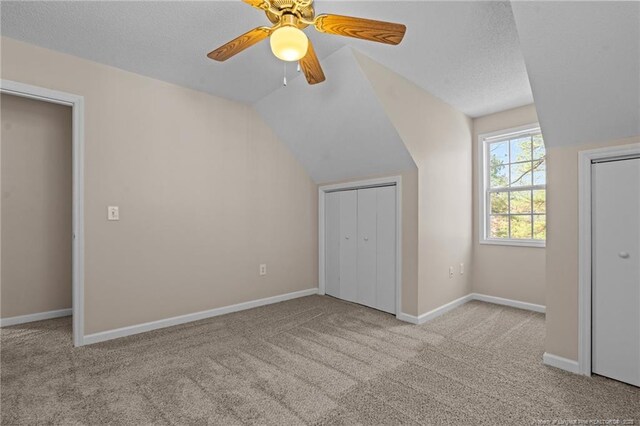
[
  {"x": 616, "y": 270},
  {"x": 367, "y": 246},
  {"x": 332, "y": 243},
  {"x": 348, "y": 245},
  {"x": 386, "y": 249}
]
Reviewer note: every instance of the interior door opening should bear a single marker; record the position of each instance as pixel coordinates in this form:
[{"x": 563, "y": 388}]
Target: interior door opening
[
  {"x": 36, "y": 210},
  {"x": 615, "y": 301}
]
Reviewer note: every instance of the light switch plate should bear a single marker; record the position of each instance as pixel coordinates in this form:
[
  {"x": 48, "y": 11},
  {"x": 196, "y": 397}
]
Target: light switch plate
[
  {"x": 450, "y": 271},
  {"x": 113, "y": 213},
  {"x": 263, "y": 269}
]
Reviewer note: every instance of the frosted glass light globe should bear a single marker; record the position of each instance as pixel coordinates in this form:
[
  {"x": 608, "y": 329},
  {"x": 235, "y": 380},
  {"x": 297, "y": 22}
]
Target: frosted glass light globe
[{"x": 289, "y": 43}]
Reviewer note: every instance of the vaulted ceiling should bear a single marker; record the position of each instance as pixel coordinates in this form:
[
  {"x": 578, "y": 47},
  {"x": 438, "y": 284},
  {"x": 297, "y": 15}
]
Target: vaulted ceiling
[
  {"x": 582, "y": 60},
  {"x": 465, "y": 53}
]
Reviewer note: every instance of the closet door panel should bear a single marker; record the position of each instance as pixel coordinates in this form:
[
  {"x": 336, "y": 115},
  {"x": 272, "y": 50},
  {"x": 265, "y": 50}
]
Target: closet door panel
[
  {"x": 616, "y": 270},
  {"x": 367, "y": 242},
  {"x": 386, "y": 249},
  {"x": 332, "y": 243},
  {"x": 348, "y": 245}
]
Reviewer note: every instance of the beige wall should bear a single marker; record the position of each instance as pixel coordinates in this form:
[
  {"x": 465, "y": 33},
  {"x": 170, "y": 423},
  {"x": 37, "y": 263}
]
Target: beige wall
[
  {"x": 438, "y": 138},
  {"x": 562, "y": 247},
  {"x": 206, "y": 193},
  {"x": 516, "y": 273},
  {"x": 36, "y": 206}
]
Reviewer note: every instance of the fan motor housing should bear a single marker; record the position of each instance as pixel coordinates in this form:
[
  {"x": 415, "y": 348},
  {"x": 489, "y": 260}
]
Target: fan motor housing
[{"x": 304, "y": 10}]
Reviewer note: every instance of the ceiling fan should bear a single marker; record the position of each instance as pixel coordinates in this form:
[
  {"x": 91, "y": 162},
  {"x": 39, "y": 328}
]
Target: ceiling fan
[{"x": 290, "y": 43}]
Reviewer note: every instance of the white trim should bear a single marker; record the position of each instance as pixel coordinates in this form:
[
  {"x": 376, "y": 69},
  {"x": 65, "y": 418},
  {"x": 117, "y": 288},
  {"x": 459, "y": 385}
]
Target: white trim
[
  {"x": 322, "y": 190},
  {"x": 464, "y": 299},
  {"x": 584, "y": 244},
  {"x": 196, "y": 316},
  {"x": 434, "y": 313},
  {"x": 514, "y": 243},
  {"x": 559, "y": 362},
  {"x": 77, "y": 105},
  {"x": 509, "y": 302},
  {"x": 482, "y": 176},
  {"x": 40, "y": 316}
]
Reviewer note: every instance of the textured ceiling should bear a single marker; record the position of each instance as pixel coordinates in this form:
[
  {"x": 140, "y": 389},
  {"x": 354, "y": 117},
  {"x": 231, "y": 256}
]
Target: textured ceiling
[
  {"x": 330, "y": 144},
  {"x": 583, "y": 60},
  {"x": 465, "y": 53}
]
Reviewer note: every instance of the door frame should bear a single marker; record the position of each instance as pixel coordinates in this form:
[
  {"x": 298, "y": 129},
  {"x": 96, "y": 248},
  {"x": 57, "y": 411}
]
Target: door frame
[
  {"x": 361, "y": 184},
  {"x": 76, "y": 103},
  {"x": 585, "y": 159}
]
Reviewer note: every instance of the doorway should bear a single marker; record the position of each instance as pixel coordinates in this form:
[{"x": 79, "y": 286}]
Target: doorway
[
  {"x": 32, "y": 204},
  {"x": 615, "y": 307},
  {"x": 360, "y": 254},
  {"x": 609, "y": 246}
]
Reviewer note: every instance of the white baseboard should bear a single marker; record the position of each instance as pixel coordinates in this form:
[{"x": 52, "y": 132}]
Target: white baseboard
[
  {"x": 464, "y": 299},
  {"x": 182, "y": 319},
  {"x": 562, "y": 363},
  {"x": 509, "y": 302},
  {"x": 435, "y": 312},
  {"x": 40, "y": 316}
]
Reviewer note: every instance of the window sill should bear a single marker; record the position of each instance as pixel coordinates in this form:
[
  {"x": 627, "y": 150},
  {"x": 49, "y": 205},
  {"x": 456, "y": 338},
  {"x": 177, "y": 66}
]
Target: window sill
[{"x": 515, "y": 243}]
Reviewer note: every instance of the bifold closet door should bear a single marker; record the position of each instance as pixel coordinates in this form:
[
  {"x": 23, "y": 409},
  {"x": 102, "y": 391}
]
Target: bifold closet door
[
  {"x": 360, "y": 246},
  {"x": 386, "y": 249},
  {"x": 616, "y": 270},
  {"x": 341, "y": 239},
  {"x": 367, "y": 246}
]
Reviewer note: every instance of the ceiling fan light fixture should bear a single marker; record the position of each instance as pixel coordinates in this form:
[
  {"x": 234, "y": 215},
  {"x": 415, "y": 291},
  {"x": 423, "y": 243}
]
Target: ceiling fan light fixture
[{"x": 289, "y": 43}]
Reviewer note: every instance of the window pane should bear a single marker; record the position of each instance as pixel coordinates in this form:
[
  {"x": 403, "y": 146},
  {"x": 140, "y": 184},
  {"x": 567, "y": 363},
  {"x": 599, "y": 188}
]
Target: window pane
[
  {"x": 539, "y": 172},
  {"x": 499, "y": 227},
  {"x": 521, "y": 227},
  {"x": 540, "y": 201},
  {"x": 540, "y": 227},
  {"x": 498, "y": 153},
  {"x": 520, "y": 202},
  {"x": 538, "y": 147},
  {"x": 499, "y": 202},
  {"x": 499, "y": 176},
  {"x": 520, "y": 149},
  {"x": 521, "y": 174}
]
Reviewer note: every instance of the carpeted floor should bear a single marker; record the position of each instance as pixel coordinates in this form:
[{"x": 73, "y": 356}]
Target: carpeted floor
[{"x": 315, "y": 360}]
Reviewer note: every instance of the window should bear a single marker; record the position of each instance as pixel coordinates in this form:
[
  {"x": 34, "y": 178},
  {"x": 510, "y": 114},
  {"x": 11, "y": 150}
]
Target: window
[{"x": 513, "y": 205}]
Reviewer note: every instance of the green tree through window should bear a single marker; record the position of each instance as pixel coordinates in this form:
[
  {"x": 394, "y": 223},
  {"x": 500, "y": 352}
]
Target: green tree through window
[{"x": 515, "y": 187}]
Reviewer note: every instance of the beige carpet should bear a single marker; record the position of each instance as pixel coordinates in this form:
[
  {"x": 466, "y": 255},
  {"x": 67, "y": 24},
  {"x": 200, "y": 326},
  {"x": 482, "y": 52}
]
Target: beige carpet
[{"x": 315, "y": 360}]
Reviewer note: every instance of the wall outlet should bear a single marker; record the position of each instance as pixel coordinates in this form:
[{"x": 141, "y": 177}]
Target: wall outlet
[
  {"x": 450, "y": 271},
  {"x": 113, "y": 213},
  {"x": 461, "y": 268},
  {"x": 263, "y": 269}
]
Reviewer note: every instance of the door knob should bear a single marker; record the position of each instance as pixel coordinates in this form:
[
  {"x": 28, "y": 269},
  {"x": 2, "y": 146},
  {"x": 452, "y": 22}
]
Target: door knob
[
  {"x": 346, "y": 238},
  {"x": 366, "y": 238},
  {"x": 623, "y": 254}
]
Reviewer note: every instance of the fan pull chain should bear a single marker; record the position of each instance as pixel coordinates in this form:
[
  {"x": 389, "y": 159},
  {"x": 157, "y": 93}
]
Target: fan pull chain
[
  {"x": 285, "y": 74},
  {"x": 298, "y": 68}
]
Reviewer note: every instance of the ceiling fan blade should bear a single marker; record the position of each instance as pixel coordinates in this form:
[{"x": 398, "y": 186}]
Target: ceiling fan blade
[
  {"x": 366, "y": 29},
  {"x": 238, "y": 44},
  {"x": 258, "y": 4},
  {"x": 311, "y": 66}
]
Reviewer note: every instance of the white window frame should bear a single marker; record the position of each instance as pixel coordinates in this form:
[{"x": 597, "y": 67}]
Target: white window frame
[{"x": 483, "y": 183}]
